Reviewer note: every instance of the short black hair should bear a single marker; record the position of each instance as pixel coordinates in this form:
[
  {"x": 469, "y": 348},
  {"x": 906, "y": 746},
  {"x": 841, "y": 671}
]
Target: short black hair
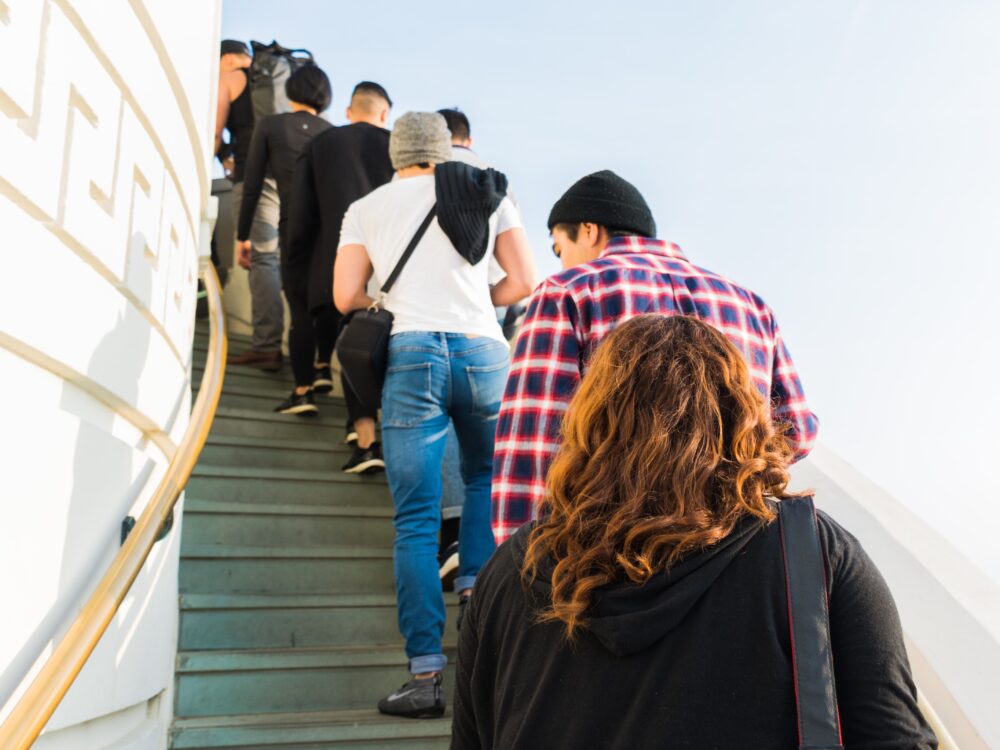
[
  {"x": 370, "y": 87},
  {"x": 573, "y": 230},
  {"x": 458, "y": 123},
  {"x": 309, "y": 85},
  {"x": 234, "y": 47}
]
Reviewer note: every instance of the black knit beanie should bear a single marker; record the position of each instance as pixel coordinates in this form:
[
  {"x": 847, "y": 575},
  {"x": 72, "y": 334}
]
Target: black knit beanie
[{"x": 604, "y": 198}]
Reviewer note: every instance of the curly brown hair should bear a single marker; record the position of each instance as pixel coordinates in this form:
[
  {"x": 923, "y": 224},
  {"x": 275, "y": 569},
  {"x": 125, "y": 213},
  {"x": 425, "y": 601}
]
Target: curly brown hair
[{"x": 666, "y": 445}]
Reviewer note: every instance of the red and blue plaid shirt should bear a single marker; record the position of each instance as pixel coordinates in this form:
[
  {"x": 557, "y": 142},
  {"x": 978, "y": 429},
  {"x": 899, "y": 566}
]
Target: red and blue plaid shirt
[{"x": 572, "y": 311}]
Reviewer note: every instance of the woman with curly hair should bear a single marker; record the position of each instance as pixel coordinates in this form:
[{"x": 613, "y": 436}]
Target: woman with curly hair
[{"x": 648, "y": 609}]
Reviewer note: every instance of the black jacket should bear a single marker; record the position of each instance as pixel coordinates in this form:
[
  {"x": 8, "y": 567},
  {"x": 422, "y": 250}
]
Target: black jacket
[
  {"x": 336, "y": 168},
  {"x": 276, "y": 144},
  {"x": 698, "y": 657}
]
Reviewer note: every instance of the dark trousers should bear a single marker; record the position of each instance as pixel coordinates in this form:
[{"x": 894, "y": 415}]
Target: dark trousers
[{"x": 311, "y": 339}]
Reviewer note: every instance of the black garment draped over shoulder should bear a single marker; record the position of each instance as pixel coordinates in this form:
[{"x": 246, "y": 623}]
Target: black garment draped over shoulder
[
  {"x": 698, "y": 657},
  {"x": 336, "y": 168}
]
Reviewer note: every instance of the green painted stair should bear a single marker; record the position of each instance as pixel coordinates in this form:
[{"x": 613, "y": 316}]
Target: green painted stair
[{"x": 288, "y": 632}]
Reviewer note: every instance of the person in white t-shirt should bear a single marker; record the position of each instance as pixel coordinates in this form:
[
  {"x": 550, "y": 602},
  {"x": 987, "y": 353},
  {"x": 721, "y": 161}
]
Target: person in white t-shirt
[{"x": 448, "y": 361}]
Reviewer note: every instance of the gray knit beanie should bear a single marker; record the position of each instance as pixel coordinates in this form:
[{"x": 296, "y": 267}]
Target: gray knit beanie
[{"x": 418, "y": 138}]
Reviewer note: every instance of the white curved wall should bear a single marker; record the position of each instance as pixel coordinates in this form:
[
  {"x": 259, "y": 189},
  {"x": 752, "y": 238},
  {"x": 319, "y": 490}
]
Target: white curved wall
[{"x": 106, "y": 119}]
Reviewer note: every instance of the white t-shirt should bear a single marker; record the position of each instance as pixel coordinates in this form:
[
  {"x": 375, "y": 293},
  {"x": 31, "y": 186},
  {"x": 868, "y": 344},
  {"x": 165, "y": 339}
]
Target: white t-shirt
[{"x": 438, "y": 289}]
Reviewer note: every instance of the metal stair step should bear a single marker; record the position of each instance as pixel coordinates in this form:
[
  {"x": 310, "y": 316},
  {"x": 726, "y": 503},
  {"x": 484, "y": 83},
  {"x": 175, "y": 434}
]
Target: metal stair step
[
  {"x": 217, "y": 621},
  {"x": 343, "y": 730},
  {"x": 263, "y": 400},
  {"x": 216, "y": 683},
  {"x": 208, "y": 522},
  {"x": 331, "y": 569},
  {"x": 315, "y": 455},
  {"x": 258, "y": 423}
]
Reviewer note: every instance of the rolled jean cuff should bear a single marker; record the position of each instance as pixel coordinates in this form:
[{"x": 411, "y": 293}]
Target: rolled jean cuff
[
  {"x": 429, "y": 663},
  {"x": 464, "y": 582}
]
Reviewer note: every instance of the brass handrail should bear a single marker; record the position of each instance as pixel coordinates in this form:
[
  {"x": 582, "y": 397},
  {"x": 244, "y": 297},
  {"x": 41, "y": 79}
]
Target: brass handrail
[{"x": 49, "y": 687}]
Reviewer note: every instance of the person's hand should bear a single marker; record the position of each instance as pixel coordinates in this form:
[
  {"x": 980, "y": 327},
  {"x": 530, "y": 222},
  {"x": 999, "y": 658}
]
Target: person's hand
[{"x": 243, "y": 254}]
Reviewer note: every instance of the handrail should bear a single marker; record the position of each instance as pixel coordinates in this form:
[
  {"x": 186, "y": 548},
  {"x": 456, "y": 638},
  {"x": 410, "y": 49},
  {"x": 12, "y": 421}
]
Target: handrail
[{"x": 50, "y": 686}]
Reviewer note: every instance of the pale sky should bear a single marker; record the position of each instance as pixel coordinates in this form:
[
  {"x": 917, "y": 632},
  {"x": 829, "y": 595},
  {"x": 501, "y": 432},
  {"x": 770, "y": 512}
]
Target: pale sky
[{"x": 842, "y": 159}]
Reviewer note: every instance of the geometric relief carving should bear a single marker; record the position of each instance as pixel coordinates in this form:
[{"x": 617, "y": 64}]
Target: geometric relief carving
[{"x": 74, "y": 147}]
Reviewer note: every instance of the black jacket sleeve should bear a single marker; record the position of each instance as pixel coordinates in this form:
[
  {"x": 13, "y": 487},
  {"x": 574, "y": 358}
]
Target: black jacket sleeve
[
  {"x": 303, "y": 212},
  {"x": 875, "y": 689},
  {"x": 253, "y": 177}
]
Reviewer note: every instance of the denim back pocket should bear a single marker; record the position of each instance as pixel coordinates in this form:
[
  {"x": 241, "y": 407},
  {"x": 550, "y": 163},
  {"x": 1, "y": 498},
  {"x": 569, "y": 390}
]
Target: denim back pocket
[
  {"x": 486, "y": 384},
  {"x": 407, "y": 397}
]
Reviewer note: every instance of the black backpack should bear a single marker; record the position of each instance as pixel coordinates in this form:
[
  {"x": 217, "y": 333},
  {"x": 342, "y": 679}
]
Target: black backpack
[{"x": 272, "y": 64}]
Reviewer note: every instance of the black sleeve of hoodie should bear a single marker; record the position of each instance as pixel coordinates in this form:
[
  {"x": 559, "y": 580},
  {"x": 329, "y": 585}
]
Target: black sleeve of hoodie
[
  {"x": 875, "y": 689},
  {"x": 253, "y": 177},
  {"x": 303, "y": 211},
  {"x": 464, "y": 731}
]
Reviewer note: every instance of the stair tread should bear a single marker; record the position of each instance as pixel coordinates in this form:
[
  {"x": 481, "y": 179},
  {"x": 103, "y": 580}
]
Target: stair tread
[
  {"x": 297, "y": 657},
  {"x": 229, "y": 412},
  {"x": 240, "y": 441},
  {"x": 283, "y": 729},
  {"x": 331, "y": 551},
  {"x": 308, "y": 475},
  {"x": 196, "y": 505},
  {"x": 190, "y": 602}
]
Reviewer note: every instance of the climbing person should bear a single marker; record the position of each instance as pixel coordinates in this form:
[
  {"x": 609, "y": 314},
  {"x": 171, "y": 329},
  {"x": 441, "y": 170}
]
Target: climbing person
[
  {"x": 276, "y": 144},
  {"x": 447, "y": 361},
  {"x": 603, "y": 232},
  {"x": 654, "y": 602}
]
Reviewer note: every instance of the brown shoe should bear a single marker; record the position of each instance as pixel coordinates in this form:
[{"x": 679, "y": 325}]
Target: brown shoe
[{"x": 270, "y": 361}]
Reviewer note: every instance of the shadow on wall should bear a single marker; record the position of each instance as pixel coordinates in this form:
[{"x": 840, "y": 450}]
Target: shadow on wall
[{"x": 109, "y": 477}]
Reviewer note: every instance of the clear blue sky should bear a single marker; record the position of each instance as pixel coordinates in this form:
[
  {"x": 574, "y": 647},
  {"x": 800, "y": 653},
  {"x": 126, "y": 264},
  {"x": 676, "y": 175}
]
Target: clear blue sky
[{"x": 840, "y": 158}]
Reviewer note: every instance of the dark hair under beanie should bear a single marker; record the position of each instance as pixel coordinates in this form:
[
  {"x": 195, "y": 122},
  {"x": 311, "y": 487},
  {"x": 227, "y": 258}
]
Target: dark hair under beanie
[{"x": 604, "y": 198}]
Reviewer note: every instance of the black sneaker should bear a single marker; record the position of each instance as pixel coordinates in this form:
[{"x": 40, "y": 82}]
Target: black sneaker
[
  {"x": 463, "y": 602},
  {"x": 365, "y": 460},
  {"x": 351, "y": 435},
  {"x": 417, "y": 699},
  {"x": 448, "y": 566},
  {"x": 323, "y": 383},
  {"x": 303, "y": 405}
]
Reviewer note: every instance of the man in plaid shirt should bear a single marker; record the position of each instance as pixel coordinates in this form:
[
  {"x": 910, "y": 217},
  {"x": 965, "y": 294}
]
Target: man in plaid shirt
[{"x": 601, "y": 230}]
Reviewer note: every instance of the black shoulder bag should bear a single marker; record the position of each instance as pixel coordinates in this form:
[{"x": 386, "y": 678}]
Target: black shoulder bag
[
  {"x": 363, "y": 343},
  {"x": 809, "y": 626}
]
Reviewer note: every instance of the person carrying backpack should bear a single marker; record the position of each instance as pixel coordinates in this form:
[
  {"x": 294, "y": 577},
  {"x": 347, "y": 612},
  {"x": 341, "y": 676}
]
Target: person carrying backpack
[
  {"x": 250, "y": 89},
  {"x": 673, "y": 593}
]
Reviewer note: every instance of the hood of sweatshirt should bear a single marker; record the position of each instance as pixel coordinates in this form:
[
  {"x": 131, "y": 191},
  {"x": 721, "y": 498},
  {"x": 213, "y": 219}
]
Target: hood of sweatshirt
[
  {"x": 628, "y": 618},
  {"x": 466, "y": 199}
]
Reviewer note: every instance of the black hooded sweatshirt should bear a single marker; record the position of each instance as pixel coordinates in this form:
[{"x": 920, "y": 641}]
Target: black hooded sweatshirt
[{"x": 698, "y": 657}]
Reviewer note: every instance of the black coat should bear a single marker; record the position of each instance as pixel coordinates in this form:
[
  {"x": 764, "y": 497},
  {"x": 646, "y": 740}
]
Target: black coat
[
  {"x": 699, "y": 657},
  {"x": 336, "y": 168}
]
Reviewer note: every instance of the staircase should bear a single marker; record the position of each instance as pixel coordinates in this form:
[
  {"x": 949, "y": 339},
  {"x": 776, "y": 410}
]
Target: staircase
[{"x": 288, "y": 631}]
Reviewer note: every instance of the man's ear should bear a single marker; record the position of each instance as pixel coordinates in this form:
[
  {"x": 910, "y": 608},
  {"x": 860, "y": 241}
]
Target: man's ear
[
  {"x": 384, "y": 116},
  {"x": 349, "y": 115},
  {"x": 593, "y": 233}
]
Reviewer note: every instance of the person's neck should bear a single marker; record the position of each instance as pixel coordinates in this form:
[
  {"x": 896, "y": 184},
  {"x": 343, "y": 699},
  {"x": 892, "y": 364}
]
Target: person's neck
[
  {"x": 414, "y": 171},
  {"x": 375, "y": 120},
  {"x": 296, "y": 107}
]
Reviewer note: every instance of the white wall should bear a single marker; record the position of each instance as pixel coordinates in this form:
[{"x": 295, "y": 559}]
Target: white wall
[{"x": 106, "y": 118}]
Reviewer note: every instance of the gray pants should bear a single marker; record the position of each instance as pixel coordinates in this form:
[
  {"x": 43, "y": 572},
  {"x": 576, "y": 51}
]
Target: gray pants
[{"x": 267, "y": 308}]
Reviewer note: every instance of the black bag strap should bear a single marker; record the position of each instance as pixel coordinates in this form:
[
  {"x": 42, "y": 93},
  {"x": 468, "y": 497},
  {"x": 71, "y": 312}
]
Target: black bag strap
[
  {"x": 809, "y": 626},
  {"x": 407, "y": 253}
]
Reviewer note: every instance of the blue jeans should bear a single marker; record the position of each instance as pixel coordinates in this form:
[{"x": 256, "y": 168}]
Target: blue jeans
[{"x": 434, "y": 379}]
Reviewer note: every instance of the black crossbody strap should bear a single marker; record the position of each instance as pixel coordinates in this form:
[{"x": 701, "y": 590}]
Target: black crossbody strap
[
  {"x": 409, "y": 250},
  {"x": 809, "y": 625}
]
